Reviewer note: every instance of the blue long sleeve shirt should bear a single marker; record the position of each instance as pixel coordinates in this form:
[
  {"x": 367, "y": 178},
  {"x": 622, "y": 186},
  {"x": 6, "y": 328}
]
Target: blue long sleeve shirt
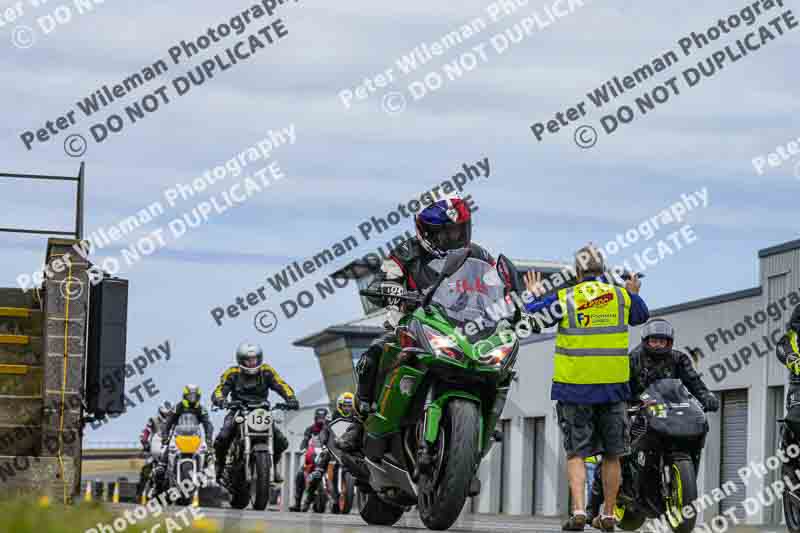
[{"x": 599, "y": 393}]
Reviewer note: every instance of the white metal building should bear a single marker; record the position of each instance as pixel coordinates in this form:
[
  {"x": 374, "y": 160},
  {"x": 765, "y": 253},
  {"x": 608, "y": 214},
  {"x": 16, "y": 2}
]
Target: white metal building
[{"x": 732, "y": 337}]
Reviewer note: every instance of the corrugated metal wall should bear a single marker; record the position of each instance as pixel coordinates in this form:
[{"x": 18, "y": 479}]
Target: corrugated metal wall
[{"x": 734, "y": 447}]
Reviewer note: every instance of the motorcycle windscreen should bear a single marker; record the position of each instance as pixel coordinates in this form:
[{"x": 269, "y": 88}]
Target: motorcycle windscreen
[
  {"x": 676, "y": 413},
  {"x": 475, "y": 294}
]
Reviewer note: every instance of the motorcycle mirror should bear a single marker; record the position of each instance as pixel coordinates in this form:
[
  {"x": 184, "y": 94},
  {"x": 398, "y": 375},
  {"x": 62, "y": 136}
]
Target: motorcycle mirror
[{"x": 509, "y": 274}]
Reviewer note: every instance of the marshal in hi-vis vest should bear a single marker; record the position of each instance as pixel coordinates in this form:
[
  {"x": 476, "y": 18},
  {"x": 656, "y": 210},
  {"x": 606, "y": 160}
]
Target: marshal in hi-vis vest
[{"x": 592, "y": 339}]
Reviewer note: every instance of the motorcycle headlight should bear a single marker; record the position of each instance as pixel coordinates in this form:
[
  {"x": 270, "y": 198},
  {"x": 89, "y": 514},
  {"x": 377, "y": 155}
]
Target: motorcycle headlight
[
  {"x": 187, "y": 444},
  {"x": 442, "y": 345},
  {"x": 239, "y": 419},
  {"x": 497, "y": 356}
]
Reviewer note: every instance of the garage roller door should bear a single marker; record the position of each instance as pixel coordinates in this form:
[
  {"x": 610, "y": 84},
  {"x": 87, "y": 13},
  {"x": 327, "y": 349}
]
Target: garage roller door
[{"x": 734, "y": 447}]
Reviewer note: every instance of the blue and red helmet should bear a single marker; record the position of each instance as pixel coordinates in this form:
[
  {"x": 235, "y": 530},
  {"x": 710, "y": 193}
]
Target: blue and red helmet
[{"x": 444, "y": 225}]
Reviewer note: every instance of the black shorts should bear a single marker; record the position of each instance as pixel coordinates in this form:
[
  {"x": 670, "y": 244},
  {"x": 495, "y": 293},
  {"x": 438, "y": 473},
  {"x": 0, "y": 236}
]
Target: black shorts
[{"x": 589, "y": 429}]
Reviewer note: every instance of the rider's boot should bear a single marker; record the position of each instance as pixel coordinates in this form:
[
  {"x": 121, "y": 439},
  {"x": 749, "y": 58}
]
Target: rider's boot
[
  {"x": 219, "y": 465},
  {"x": 367, "y": 370},
  {"x": 307, "y": 499}
]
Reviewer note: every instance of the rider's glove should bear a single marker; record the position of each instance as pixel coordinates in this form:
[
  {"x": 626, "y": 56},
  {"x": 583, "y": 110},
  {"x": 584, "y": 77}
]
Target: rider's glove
[
  {"x": 711, "y": 403},
  {"x": 293, "y": 404},
  {"x": 390, "y": 291}
]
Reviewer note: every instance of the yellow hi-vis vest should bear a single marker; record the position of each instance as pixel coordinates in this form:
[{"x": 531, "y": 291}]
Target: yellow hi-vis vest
[
  {"x": 793, "y": 366},
  {"x": 592, "y": 339}
]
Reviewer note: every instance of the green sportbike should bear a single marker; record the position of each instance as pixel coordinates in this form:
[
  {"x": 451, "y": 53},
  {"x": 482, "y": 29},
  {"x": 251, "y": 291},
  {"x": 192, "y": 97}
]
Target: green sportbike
[{"x": 445, "y": 383}]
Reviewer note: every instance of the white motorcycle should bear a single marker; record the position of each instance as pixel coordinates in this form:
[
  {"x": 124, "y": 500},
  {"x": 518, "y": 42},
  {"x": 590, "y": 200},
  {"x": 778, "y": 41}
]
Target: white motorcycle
[{"x": 187, "y": 456}]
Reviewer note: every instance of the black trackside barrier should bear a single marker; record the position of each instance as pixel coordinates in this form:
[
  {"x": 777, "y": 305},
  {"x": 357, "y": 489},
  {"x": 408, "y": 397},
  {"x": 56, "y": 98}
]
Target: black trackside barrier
[{"x": 105, "y": 353}]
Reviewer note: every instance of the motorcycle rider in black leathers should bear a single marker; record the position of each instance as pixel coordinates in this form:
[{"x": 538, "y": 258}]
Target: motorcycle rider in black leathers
[
  {"x": 788, "y": 353},
  {"x": 441, "y": 226},
  {"x": 652, "y": 360},
  {"x": 190, "y": 403},
  {"x": 151, "y": 429},
  {"x": 250, "y": 381}
]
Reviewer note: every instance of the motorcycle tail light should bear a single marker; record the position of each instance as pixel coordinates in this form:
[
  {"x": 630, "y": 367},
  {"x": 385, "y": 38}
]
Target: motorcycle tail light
[{"x": 187, "y": 444}]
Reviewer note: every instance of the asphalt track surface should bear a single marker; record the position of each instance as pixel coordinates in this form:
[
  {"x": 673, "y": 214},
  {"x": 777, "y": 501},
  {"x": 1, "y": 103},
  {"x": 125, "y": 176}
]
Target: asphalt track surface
[
  {"x": 275, "y": 521},
  {"x": 272, "y": 521}
]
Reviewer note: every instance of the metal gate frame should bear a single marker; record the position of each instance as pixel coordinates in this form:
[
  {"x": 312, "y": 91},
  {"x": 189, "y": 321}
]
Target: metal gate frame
[{"x": 78, "y": 232}]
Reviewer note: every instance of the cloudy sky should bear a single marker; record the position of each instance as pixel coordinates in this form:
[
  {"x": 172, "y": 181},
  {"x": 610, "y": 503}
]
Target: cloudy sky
[{"x": 542, "y": 200}]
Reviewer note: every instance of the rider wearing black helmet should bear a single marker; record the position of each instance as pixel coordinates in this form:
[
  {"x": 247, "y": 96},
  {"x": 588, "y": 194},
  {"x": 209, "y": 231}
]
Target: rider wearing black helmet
[
  {"x": 655, "y": 359},
  {"x": 312, "y": 435},
  {"x": 441, "y": 226},
  {"x": 250, "y": 381}
]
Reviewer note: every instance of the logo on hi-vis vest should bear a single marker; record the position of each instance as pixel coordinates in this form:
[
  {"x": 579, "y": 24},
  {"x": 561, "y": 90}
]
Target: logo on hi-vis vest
[
  {"x": 584, "y": 319},
  {"x": 601, "y": 300}
]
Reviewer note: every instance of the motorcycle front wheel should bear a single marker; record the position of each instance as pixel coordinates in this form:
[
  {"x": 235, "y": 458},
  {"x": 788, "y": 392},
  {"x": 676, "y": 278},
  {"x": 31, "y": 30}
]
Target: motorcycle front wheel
[
  {"x": 627, "y": 519},
  {"x": 259, "y": 479},
  {"x": 443, "y": 492},
  {"x": 791, "y": 501},
  {"x": 683, "y": 491},
  {"x": 187, "y": 469}
]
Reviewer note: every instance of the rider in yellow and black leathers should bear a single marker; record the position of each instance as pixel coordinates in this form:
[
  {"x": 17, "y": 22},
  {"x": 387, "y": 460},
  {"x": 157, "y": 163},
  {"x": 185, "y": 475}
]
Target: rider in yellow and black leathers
[
  {"x": 250, "y": 381},
  {"x": 788, "y": 353}
]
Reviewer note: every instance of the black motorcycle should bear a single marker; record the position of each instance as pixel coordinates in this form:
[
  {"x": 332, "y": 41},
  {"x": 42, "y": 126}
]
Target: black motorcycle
[
  {"x": 249, "y": 462},
  {"x": 668, "y": 432},
  {"x": 791, "y": 498}
]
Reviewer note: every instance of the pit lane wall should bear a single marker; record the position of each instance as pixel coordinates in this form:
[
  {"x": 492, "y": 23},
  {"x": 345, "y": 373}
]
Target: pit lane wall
[{"x": 42, "y": 355}]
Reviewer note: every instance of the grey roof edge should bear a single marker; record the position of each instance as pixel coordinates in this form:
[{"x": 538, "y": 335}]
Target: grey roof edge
[
  {"x": 332, "y": 332},
  {"x": 704, "y": 302},
  {"x": 779, "y": 248}
]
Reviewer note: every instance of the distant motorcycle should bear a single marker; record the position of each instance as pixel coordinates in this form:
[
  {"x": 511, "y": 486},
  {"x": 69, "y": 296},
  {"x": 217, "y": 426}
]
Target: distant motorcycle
[
  {"x": 146, "y": 486},
  {"x": 668, "y": 433},
  {"x": 187, "y": 455},
  {"x": 249, "y": 462}
]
